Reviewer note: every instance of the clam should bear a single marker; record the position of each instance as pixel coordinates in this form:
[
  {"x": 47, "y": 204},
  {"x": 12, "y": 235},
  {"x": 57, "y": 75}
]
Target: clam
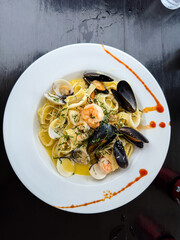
[
  {"x": 62, "y": 88},
  {"x": 54, "y": 99},
  {"x": 80, "y": 156},
  {"x": 97, "y": 79},
  {"x": 133, "y": 136},
  {"x": 125, "y": 96},
  {"x": 96, "y": 172},
  {"x": 102, "y": 136},
  {"x": 65, "y": 166},
  {"x": 54, "y": 129},
  {"x": 120, "y": 155}
]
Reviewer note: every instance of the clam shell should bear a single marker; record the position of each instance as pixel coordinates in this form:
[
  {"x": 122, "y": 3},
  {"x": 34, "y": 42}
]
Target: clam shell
[{"x": 62, "y": 88}]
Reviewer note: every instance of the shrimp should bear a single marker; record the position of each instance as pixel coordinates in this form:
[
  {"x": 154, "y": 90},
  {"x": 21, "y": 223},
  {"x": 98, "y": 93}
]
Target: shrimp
[
  {"x": 82, "y": 137},
  {"x": 81, "y": 130},
  {"x": 92, "y": 114},
  {"x": 105, "y": 165}
]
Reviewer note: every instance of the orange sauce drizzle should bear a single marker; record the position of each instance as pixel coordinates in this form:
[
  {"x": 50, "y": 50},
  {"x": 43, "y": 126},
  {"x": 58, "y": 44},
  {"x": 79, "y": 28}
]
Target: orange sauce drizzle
[
  {"x": 152, "y": 124},
  {"x": 159, "y": 108},
  {"x": 162, "y": 125},
  {"x": 169, "y": 123},
  {"x": 109, "y": 194}
]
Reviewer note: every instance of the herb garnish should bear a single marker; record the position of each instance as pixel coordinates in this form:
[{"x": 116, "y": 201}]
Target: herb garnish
[
  {"x": 58, "y": 159},
  {"x": 91, "y": 116},
  {"x": 76, "y": 118}
]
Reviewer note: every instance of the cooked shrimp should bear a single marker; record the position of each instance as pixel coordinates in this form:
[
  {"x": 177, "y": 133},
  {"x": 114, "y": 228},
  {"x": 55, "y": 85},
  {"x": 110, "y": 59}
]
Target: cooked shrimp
[
  {"x": 92, "y": 114},
  {"x": 82, "y": 126},
  {"x": 105, "y": 165},
  {"x": 81, "y": 130},
  {"x": 82, "y": 137}
]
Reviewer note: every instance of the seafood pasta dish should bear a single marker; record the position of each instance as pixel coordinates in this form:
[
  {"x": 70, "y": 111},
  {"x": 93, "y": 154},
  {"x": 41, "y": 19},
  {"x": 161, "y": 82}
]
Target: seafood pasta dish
[{"x": 89, "y": 125}]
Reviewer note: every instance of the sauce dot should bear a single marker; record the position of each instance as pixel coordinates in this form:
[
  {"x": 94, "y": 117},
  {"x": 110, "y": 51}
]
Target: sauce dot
[
  {"x": 152, "y": 124},
  {"x": 143, "y": 172},
  {"x": 162, "y": 125},
  {"x": 160, "y": 108}
]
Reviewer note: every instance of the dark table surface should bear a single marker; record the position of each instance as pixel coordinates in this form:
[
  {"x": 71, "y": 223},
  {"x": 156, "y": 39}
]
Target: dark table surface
[{"x": 142, "y": 28}]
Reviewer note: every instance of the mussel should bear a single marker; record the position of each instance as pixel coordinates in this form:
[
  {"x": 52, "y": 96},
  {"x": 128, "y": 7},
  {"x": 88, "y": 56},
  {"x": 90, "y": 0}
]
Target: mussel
[
  {"x": 120, "y": 155},
  {"x": 102, "y": 136},
  {"x": 133, "y": 136},
  {"x": 97, "y": 79},
  {"x": 125, "y": 96},
  {"x": 97, "y": 76}
]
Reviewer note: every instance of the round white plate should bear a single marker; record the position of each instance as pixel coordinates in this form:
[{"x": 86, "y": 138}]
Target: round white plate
[{"x": 28, "y": 157}]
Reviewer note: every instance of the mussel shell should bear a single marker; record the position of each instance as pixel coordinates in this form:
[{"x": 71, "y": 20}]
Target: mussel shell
[
  {"x": 91, "y": 76},
  {"x": 102, "y": 136},
  {"x": 89, "y": 81},
  {"x": 120, "y": 154},
  {"x": 105, "y": 91},
  {"x": 137, "y": 144},
  {"x": 129, "y": 101},
  {"x": 133, "y": 135},
  {"x": 125, "y": 96},
  {"x": 117, "y": 97}
]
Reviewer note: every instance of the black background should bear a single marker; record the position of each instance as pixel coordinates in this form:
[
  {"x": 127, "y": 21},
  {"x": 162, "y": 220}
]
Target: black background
[{"x": 142, "y": 28}]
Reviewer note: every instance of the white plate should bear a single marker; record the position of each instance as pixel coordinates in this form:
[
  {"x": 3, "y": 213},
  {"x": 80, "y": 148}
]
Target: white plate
[{"x": 28, "y": 157}]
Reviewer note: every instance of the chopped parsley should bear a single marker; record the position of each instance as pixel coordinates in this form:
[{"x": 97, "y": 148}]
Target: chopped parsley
[
  {"x": 58, "y": 159},
  {"x": 96, "y": 140},
  {"x": 91, "y": 116},
  {"x": 76, "y": 118},
  {"x": 65, "y": 136},
  {"x": 120, "y": 122},
  {"x": 106, "y": 112},
  {"x": 61, "y": 143}
]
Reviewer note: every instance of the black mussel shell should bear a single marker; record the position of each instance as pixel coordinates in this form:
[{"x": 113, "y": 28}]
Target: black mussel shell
[
  {"x": 117, "y": 97},
  {"x": 128, "y": 98},
  {"x": 87, "y": 80},
  {"x": 120, "y": 155},
  {"x": 105, "y": 91},
  {"x": 91, "y": 76},
  {"x": 102, "y": 136},
  {"x": 90, "y": 79},
  {"x": 125, "y": 96},
  {"x": 133, "y": 135},
  {"x": 102, "y": 91},
  {"x": 137, "y": 144}
]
